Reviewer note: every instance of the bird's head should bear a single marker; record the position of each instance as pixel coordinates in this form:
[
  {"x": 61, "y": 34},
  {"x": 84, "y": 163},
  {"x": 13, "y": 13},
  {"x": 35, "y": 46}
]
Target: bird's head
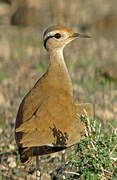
[{"x": 56, "y": 37}]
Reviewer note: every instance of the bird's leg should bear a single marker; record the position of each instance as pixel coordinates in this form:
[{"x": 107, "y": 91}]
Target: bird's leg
[
  {"x": 63, "y": 162},
  {"x": 38, "y": 174},
  {"x": 63, "y": 157}
]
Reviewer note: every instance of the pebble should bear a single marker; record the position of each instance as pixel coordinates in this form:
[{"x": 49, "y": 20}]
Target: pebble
[
  {"x": 11, "y": 147},
  {"x": 11, "y": 162}
]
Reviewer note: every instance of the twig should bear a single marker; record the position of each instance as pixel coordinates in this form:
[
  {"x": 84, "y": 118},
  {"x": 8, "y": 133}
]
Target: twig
[{"x": 74, "y": 173}]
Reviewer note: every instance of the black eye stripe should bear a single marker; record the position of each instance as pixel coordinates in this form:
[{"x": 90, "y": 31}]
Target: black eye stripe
[
  {"x": 57, "y": 36},
  {"x": 46, "y": 40}
]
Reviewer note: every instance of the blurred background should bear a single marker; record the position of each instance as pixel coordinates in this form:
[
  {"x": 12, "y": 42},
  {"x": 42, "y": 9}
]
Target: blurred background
[{"x": 92, "y": 64}]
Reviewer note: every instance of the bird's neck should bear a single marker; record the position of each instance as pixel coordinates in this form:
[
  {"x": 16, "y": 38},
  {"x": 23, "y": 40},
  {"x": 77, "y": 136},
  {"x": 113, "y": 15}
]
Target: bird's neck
[{"x": 58, "y": 70}]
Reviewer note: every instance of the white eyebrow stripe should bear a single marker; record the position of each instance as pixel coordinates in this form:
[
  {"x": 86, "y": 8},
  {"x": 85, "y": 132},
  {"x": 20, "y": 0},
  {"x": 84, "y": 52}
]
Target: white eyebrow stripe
[{"x": 51, "y": 33}]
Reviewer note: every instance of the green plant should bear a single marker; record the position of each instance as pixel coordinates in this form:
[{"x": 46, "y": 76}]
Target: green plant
[
  {"x": 71, "y": 65},
  {"x": 96, "y": 155},
  {"x": 3, "y": 124},
  {"x": 23, "y": 42},
  {"x": 85, "y": 62},
  {"x": 42, "y": 67},
  {"x": 92, "y": 85},
  {"x": 17, "y": 160},
  {"x": 4, "y": 76}
]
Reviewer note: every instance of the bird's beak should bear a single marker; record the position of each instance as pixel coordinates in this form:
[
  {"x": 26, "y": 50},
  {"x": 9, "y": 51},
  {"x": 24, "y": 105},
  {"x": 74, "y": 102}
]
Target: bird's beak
[{"x": 76, "y": 35}]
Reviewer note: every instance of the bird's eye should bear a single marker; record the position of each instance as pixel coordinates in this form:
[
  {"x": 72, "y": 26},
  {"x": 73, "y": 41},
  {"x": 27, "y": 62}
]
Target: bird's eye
[{"x": 57, "y": 36}]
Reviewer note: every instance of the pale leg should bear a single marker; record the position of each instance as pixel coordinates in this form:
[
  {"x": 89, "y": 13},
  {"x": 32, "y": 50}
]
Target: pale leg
[{"x": 38, "y": 174}]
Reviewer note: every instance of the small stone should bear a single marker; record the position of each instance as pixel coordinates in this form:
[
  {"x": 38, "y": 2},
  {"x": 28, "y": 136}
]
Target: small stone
[
  {"x": 11, "y": 147},
  {"x": 3, "y": 167},
  {"x": 11, "y": 162}
]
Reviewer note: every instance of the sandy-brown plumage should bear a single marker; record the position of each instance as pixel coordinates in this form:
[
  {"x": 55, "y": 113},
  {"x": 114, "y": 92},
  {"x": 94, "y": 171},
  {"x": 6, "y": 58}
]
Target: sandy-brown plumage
[{"x": 47, "y": 120}]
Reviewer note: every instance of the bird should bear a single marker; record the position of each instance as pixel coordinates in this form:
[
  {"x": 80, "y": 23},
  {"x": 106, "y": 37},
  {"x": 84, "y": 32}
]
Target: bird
[{"x": 48, "y": 117}]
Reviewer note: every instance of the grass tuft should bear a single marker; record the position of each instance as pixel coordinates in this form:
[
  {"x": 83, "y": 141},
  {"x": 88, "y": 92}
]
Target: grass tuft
[{"x": 96, "y": 155}]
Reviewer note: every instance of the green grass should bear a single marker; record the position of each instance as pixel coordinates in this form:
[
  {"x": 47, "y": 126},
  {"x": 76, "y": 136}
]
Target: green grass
[
  {"x": 4, "y": 76},
  {"x": 5, "y": 147},
  {"x": 95, "y": 157},
  {"x": 2, "y": 123},
  {"x": 17, "y": 160},
  {"x": 23, "y": 42},
  {"x": 42, "y": 66},
  {"x": 90, "y": 82},
  {"x": 92, "y": 85},
  {"x": 85, "y": 62},
  {"x": 71, "y": 66}
]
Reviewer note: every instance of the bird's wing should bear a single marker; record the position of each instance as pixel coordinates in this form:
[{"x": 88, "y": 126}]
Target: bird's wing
[
  {"x": 32, "y": 101},
  {"x": 53, "y": 123}
]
